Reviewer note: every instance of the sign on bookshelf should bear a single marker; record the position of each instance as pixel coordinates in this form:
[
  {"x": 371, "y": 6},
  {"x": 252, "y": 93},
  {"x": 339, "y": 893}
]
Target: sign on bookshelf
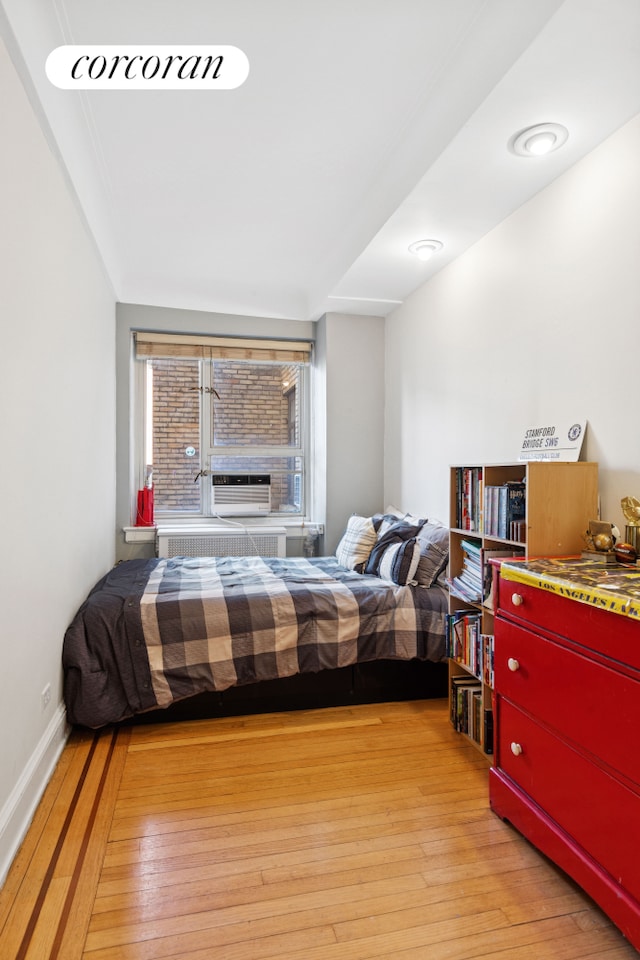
[{"x": 560, "y": 441}]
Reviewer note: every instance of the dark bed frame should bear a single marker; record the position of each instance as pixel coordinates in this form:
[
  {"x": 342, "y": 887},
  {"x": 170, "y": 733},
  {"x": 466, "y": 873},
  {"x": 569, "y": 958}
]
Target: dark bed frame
[{"x": 379, "y": 681}]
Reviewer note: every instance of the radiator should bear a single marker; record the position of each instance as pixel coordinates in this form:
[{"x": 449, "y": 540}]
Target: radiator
[{"x": 221, "y": 542}]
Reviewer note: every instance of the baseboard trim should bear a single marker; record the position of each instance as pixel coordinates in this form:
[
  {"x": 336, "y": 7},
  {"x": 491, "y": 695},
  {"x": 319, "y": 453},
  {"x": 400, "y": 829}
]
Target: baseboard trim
[{"x": 20, "y": 807}]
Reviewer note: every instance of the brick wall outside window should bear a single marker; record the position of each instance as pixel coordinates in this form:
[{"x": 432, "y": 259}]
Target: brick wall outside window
[
  {"x": 253, "y": 409},
  {"x": 176, "y": 426}
]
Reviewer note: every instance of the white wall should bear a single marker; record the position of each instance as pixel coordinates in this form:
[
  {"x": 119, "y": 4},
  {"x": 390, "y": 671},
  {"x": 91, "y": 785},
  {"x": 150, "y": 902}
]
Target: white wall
[
  {"x": 537, "y": 322},
  {"x": 57, "y": 436}
]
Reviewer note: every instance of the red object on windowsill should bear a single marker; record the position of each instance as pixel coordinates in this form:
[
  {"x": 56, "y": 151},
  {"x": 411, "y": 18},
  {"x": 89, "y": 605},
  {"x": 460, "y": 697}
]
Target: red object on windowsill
[{"x": 144, "y": 516}]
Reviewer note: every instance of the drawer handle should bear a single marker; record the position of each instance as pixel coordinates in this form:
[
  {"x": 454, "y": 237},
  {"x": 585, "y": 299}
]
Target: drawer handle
[
  {"x": 513, "y": 664},
  {"x": 517, "y": 599},
  {"x": 516, "y": 749}
]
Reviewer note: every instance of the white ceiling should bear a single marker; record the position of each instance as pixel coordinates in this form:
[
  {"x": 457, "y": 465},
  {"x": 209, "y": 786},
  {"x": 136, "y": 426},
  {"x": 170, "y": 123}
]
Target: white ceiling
[{"x": 364, "y": 125}]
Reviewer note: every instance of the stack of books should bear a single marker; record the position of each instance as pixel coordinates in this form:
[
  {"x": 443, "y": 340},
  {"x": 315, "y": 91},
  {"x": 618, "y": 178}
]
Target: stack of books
[
  {"x": 466, "y": 706},
  {"x": 467, "y": 645},
  {"x": 468, "y": 583}
]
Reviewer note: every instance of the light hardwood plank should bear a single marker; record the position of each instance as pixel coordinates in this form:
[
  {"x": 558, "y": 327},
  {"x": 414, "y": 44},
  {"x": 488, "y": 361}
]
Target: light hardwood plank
[{"x": 361, "y": 833}]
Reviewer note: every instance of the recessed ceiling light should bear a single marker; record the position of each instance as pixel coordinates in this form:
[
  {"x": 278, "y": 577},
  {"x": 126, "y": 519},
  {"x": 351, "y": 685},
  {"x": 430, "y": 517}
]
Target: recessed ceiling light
[
  {"x": 425, "y": 249},
  {"x": 539, "y": 140}
]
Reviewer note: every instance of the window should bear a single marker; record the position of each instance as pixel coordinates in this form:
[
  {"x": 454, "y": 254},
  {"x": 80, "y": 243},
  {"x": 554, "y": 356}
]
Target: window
[{"x": 216, "y": 408}]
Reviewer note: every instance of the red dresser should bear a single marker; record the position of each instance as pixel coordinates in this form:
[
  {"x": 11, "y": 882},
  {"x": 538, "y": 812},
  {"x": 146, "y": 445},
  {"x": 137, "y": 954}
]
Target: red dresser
[{"x": 567, "y": 722}]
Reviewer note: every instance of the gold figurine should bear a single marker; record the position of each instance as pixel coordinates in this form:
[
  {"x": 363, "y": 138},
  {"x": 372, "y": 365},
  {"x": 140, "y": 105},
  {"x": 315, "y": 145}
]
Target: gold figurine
[
  {"x": 600, "y": 539},
  {"x": 631, "y": 510}
]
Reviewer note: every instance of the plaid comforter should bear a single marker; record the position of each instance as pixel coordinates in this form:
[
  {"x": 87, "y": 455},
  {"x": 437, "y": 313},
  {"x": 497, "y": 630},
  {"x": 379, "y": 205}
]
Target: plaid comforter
[{"x": 156, "y": 631}]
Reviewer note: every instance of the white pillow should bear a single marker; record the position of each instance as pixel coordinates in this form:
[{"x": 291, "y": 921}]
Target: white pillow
[{"x": 357, "y": 543}]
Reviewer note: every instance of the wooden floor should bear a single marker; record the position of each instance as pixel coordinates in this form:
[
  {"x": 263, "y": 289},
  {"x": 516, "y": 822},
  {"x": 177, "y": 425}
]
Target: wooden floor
[{"x": 343, "y": 834}]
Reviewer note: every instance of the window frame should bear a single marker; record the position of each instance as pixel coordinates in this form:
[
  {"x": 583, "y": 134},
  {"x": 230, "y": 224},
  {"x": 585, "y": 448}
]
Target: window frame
[{"x": 303, "y": 451}]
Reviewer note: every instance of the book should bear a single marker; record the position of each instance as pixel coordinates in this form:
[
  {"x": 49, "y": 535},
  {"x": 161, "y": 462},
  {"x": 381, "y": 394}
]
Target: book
[
  {"x": 488, "y": 731},
  {"x": 462, "y": 691},
  {"x": 457, "y": 682},
  {"x": 504, "y": 505},
  {"x": 477, "y": 725},
  {"x": 472, "y": 548},
  {"x": 490, "y": 510},
  {"x": 516, "y": 503},
  {"x": 450, "y": 637},
  {"x": 518, "y": 530},
  {"x": 469, "y": 498},
  {"x": 463, "y": 639},
  {"x": 487, "y": 658},
  {"x": 488, "y": 579},
  {"x": 459, "y": 588},
  {"x": 502, "y": 511}
]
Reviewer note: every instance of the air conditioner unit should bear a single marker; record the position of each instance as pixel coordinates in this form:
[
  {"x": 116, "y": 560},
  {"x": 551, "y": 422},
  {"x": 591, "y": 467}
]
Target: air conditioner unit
[
  {"x": 221, "y": 542},
  {"x": 237, "y": 494}
]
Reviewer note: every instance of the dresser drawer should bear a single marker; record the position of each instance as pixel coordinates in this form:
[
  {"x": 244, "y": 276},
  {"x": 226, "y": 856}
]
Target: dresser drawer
[
  {"x": 610, "y": 634},
  {"x": 585, "y": 801},
  {"x": 590, "y": 704}
]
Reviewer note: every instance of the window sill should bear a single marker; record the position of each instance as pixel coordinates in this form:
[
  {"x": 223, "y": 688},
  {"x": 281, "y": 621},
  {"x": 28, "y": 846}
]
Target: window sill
[{"x": 295, "y": 528}]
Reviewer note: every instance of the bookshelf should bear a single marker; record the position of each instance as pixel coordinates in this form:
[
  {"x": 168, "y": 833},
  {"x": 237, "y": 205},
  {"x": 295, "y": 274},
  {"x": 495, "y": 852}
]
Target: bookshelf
[{"x": 552, "y": 511}]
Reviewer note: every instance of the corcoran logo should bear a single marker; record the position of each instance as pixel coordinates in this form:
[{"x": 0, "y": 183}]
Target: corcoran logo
[{"x": 165, "y": 67}]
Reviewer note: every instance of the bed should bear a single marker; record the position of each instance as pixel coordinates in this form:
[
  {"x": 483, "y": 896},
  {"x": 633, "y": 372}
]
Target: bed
[{"x": 158, "y": 632}]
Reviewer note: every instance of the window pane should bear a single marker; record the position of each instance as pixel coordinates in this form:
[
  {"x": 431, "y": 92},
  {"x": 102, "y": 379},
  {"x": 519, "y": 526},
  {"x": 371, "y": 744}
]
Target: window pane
[
  {"x": 258, "y": 404},
  {"x": 176, "y": 435},
  {"x": 285, "y": 474}
]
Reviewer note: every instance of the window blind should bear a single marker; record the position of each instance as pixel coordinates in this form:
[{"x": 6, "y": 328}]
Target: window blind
[{"x": 175, "y": 346}]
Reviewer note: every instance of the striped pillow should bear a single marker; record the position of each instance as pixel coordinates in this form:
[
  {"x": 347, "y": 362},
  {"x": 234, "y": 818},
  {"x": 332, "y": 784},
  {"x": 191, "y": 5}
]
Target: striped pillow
[
  {"x": 396, "y": 555},
  {"x": 399, "y": 562}
]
